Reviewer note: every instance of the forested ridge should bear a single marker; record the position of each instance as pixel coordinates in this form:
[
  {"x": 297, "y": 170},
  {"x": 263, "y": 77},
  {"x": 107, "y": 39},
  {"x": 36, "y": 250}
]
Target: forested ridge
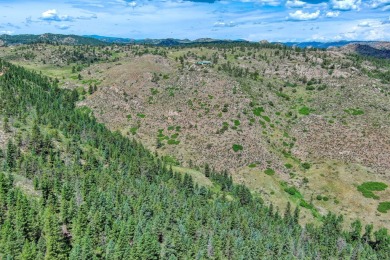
[{"x": 98, "y": 195}]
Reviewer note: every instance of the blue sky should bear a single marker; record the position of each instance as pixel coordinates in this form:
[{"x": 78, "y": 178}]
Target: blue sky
[{"x": 273, "y": 20}]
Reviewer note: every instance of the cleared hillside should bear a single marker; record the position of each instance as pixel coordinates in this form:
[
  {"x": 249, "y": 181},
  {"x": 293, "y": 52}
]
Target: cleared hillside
[{"x": 274, "y": 117}]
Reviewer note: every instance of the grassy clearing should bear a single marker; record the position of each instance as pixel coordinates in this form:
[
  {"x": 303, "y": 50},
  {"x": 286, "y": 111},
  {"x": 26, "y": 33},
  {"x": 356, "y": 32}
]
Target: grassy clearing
[{"x": 197, "y": 176}]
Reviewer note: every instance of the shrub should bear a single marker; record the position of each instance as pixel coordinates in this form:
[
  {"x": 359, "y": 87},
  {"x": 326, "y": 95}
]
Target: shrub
[
  {"x": 266, "y": 118},
  {"x": 257, "y": 111},
  {"x": 237, "y": 147},
  {"x": 306, "y": 205},
  {"x": 354, "y": 112},
  {"x": 269, "y": 171},
  {"x": 384, "y": 206},
  {"x": 367, "y": 189},
  {"x": 306, "y": 166},
  {"x": 173, "y": 142},
  {"x": 288, "y": 165},
  {"x": 304, "y": 111},
  {"x": 252, "y": 165},
  {"x": 293, "y": 192},
  {"x": 319, "y": 197}
]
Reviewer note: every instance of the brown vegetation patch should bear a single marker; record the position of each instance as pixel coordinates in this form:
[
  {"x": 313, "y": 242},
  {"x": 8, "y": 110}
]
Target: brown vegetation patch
[{"x": 369, "y": 146}]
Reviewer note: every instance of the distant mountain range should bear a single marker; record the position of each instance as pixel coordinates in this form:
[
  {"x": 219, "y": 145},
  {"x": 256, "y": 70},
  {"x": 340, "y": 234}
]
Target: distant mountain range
[
  {"x": 6, "y": 39},
  {"x": 325, "y": 45},
  {"x": 160, "y": 42},
  {"x": 381, "y": 49}
]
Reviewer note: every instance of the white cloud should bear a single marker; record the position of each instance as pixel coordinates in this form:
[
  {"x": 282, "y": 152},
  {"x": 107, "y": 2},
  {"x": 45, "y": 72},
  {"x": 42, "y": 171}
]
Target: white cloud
[
  {"x": 52, "y": 15},
  {"x": 63, "y": 26},
  {"x": 332, "y": 14},
  {"x": 299, "y": 15},
  {"x": 364, "y": 24},
  {"x": 295, "y": 3},
  {"x": 6, "y": 32},
  {"x": 270, "y": 2},
  {"x": 345, "y": 5},
  {"x": 133, "y": 4},
  {"x": 224, "y": 24},
  {"x": 379, "y": 3}
]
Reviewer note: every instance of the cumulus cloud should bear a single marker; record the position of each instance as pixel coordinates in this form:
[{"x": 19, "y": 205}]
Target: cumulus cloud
[
  {"x": 299, "y": 15},
  {"x": 52, "y": 15},
  {"x": 332, "y": 14},
  {"x": 345, "y": 5},
  {"x": 295, "y": 3}
]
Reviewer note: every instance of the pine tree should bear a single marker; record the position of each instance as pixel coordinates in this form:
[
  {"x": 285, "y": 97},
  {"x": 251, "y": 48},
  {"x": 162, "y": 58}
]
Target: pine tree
[
  {"x": 6, "y": 127},
  {"x": 207, "y": 170},
  {"x": 56, "y": 247},
  {"x": 11, "y": 156}
]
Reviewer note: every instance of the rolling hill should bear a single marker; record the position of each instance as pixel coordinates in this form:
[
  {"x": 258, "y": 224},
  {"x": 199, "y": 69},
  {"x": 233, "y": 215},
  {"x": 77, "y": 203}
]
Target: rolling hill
[{"x": 301, "y": 128}]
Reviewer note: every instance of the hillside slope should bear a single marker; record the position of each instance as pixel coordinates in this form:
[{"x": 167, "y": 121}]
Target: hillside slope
[
  {"x": 101, "y": 195},
  {"x": 302, "y": 126}
]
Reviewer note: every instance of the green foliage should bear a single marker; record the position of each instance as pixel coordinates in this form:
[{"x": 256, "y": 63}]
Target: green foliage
[
  {"x": 252, "y": 165},
  {"x": 304, "y": 111},
  {"x": 288, "y": 165},
  {"x": 383, "y": 207},
  {"x": 266, "y": 118},
  {"x": 173, "y": 142},
  {"x": 367, "y": 189},
  {"x": 293, "y": 192},
  {"x": 257, "y": 111},
  {"x": 354, "y": 112},
  {"x": 283, "y": 95},
  {"x": 269, "y": 171},
  {"x": 237, "y": 147},
  {"x": 306, "y": 165},
  {"x": 133, "y": 130},
  {"x": 141, "y": 115}
]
